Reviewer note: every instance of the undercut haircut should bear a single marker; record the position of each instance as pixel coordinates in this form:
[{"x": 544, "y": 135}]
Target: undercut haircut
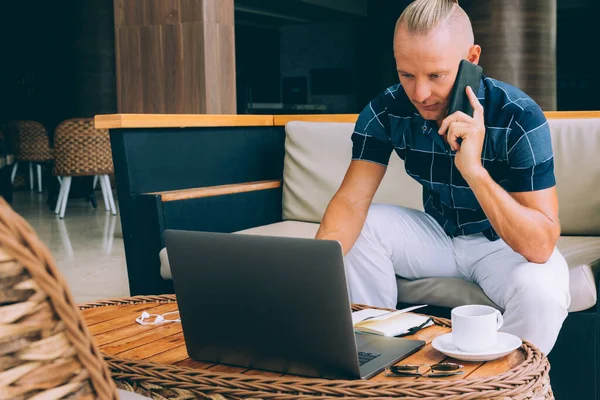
[{"x": 421, "y": 16}]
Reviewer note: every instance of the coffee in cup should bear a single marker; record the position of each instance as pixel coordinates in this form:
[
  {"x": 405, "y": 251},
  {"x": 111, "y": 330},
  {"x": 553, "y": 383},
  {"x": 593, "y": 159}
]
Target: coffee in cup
[{"x": 475, "y": 327}]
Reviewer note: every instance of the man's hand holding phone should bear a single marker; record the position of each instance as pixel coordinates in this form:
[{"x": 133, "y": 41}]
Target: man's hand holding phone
[{"x": 471, "y": 130}]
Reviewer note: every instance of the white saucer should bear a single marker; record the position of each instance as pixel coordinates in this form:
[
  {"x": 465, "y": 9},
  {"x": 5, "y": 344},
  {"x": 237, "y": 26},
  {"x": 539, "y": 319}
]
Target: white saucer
[{"x": 506, "y": 344}]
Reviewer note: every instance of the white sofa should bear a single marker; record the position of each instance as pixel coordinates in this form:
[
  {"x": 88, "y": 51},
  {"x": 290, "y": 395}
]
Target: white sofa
[{"x": 318, "y": 154}]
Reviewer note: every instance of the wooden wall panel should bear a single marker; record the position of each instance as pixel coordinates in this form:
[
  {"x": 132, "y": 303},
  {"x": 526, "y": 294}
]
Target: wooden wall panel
[
  {"x": 135, "y": 12},
  {"x": 119, "y": 11},
  {"x": 226, "y": 57},
  {"x": 182, "y": 52},
  {"x": 211, "y": 64},
  {"x": 129, "y": 70},
  {"x": 176, "y": 92},
  {"x": 220, "y": 12},
  {"x": 162, "y": 12},
  {"x": 152, "y": 66},
  {"x": 194, "y": 69},
  {"x": 192, "y": 10}
]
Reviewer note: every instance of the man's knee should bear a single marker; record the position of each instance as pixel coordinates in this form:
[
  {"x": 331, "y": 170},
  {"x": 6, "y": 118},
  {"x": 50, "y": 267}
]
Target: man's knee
[
  {"x": 538, "y": 291},
  {"x": 537, "y": 301},
  {"x": 543, "y": 299},
  {"x": 546, "y": 284},
  {"x": 543, "y": 303}
]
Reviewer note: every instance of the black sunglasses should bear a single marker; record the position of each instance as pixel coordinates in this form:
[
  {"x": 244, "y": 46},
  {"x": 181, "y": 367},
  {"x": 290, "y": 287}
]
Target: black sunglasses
[{"x": 431, "y": 371}]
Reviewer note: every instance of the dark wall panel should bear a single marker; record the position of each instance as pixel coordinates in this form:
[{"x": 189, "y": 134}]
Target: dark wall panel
[
  {"x": 58, "y": 60},
  {"x": 202, "y": 157},
  {"x": 257, "y": 57},
  {"x": 577, "y": 41},
  {"x": 94, "y": 78}
]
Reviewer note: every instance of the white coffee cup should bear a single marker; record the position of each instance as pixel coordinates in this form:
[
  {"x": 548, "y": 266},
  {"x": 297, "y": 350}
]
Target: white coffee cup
[{"x": 475, "y": 327}]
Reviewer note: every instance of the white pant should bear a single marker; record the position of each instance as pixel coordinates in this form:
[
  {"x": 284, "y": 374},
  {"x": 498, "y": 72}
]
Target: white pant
[{"x": 411, "y": 244}]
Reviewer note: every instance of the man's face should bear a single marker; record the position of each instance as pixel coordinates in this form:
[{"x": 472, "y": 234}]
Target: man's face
[{"x": 427, "y": 66}]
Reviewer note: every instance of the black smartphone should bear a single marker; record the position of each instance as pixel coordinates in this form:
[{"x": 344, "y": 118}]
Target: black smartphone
[{"x": 469, "y": 74}]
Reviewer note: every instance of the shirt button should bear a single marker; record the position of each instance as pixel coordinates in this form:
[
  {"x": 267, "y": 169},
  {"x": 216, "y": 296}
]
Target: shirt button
[{"x": 424, "y": 128}]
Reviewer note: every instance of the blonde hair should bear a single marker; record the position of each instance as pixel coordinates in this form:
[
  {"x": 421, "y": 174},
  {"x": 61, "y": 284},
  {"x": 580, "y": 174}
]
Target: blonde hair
[{"x": 421, "y": 16}]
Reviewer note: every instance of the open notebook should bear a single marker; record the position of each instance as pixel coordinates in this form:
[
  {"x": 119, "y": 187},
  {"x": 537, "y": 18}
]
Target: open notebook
[{"x": 386, "y": 323}]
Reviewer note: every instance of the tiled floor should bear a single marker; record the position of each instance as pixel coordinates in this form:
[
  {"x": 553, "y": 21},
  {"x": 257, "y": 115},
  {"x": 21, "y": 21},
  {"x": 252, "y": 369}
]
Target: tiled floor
[{"x": 87, "y": 245}]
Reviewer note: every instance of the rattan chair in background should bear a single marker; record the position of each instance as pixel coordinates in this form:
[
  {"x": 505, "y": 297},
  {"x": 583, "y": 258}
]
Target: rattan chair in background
[
  {"x": 32, "y": 145},
  {"x": 82, "y": 150}
]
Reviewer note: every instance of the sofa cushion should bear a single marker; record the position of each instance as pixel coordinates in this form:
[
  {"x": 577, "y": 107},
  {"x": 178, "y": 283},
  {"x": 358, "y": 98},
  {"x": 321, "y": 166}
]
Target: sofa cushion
[
  {"x": 442, "y": 292},
  {"x": 576, "y": 143},
  {"x": 581, "y": 253},
  {"x": 583, "y": 256},
  {"x": 286, "y": 229},
  {"x": 317, "y": 156},
  {"x": 165, "y": 268}
]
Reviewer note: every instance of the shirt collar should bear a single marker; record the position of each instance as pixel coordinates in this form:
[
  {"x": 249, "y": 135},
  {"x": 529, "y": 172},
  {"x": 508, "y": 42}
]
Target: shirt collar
[{"x": 481, "y": 91}]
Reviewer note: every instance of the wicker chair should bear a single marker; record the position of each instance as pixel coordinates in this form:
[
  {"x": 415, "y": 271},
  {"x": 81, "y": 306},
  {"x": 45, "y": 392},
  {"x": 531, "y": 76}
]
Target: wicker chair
[
  {"x": 82, "y": 150},
  {"x": 46, "y": 349},
  {"x": 32, "y": 145}
]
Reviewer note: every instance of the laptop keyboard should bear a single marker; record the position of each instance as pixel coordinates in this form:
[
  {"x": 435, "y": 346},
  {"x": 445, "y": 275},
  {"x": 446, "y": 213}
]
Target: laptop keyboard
[{"x": 364, "y": 357}]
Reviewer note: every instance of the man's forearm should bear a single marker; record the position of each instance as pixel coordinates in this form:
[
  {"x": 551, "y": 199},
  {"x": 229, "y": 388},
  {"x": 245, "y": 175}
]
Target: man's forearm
[
  {"x": 343, "y": 221},
  {"x": 527, "y": 231}
]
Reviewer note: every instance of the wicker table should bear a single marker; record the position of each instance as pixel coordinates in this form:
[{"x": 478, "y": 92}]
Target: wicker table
[{"x": 152, "y": 360}]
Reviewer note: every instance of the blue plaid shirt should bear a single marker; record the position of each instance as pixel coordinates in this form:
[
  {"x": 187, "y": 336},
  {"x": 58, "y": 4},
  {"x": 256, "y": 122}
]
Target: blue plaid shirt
[{"x": 517, "y": 151}]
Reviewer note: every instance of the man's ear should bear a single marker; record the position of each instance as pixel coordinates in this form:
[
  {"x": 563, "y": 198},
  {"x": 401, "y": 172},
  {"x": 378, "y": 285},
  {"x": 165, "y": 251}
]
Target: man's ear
[{"x": 474, "y": 54}]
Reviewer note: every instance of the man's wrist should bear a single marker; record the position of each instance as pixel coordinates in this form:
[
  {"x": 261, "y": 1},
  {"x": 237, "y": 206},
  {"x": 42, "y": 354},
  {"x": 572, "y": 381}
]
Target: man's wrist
[{"x": 475, "y": 175}]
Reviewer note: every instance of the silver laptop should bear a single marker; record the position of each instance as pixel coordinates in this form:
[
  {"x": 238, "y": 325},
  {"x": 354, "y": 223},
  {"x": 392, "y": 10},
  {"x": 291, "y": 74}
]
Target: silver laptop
[{"x": 273, "y": 303}]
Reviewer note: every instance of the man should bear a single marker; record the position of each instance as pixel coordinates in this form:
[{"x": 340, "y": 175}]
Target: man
[{"x": 491, "y": 209}]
